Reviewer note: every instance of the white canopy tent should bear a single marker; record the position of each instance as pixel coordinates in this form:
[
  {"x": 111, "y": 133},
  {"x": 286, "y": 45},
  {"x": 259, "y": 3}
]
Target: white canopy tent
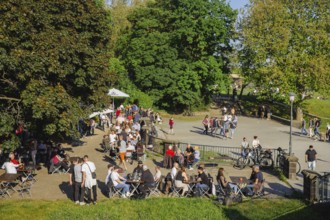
[{"x": 116, "y": 93}]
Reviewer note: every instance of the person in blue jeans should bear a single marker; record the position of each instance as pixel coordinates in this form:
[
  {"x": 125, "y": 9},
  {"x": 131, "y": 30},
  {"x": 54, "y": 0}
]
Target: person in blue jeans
[
  {"x": 203, "y": 181},
  {"x": 119, "y": 183}
]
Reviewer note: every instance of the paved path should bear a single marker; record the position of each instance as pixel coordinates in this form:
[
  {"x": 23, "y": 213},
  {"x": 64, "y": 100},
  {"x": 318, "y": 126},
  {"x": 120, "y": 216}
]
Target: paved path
[{"x": 270, "y": 133}]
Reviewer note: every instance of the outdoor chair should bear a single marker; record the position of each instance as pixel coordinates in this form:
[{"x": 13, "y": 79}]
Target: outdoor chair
[
  {"x": 155, "y": 190},
  {"x": 176, "y": 191},
  {"x": 25, "y": 187},
  {"x": 112, "y": 191},
  {"x": 4, "y": 188}
]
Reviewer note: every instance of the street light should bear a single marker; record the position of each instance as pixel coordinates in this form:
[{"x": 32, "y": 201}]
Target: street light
[{"x": 291, "y": 98}]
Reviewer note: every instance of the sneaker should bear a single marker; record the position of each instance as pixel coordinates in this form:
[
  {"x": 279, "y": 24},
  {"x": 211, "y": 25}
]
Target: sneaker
[
  {"x": 128, "y": 194},
  {"x": 124, "y": 197},
  {"x": 76, "y": 202},
  {"x": 94, "y": 203},
  {"x": 82, "y": 203}
]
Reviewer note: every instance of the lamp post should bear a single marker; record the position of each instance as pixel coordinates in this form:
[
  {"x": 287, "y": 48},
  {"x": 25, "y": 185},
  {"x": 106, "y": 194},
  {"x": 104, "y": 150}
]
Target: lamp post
[{"x": 291, "y": 98}]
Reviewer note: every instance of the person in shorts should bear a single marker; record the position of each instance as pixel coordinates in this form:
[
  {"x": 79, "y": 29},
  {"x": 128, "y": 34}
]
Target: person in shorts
[
  {"x": 310, "y": 157},
  {"x": 122, "y": 151}
]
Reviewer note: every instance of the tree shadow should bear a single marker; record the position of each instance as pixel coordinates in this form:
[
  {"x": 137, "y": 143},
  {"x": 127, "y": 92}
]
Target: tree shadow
[
  {"x": 277, "y": 189},
  {"x": 319, "y": 211},
  {"x": 234, "y": 214},
  {"x": 108, "y": 159},
  {"x": 66, "y": 189}
]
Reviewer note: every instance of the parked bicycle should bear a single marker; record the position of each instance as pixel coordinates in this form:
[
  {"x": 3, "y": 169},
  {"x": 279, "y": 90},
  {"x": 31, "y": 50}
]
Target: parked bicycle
[
  {"x": 257, "y": 156},
  {"x": 280, "y": 159}
]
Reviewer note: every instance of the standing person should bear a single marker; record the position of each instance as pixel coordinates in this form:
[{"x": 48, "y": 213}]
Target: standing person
[
  {"x": 233, "y": 125},
  {"x": 87, "y": 169},
  {"x": 34, "y": 146},
  {"x": 122, "y": 151},
  {"x": 72, "y": 178},
  {"x": 197, "y": 155},
  {"x": 317, "y": 128},
  {"x": 92, "y": 126},
  {"x": 206, "y": 123},
  {"x": 255, "y": 145},
  {"x": 171, "y": 124},
  {"x": 310, "y": 157},
  {"x": 311, "y": 127},
  {"x": 79, "y": 184},
  {"x": 244, "y": 147},
  {"x": 303, "y": 127}
]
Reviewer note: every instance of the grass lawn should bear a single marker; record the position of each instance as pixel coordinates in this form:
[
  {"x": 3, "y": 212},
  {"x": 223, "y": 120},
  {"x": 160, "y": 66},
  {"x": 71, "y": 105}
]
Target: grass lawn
[
  {"x": 320, "y": 108},
  {"x": 159, "y": 208}
]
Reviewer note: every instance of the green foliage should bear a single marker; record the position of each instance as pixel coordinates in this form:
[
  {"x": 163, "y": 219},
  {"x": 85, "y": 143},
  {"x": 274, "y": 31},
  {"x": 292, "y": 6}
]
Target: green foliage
[
  {"x": 286, "y": 46},
  {"x": 54, "y": 61},
  {"x": 175, "y": 50}
]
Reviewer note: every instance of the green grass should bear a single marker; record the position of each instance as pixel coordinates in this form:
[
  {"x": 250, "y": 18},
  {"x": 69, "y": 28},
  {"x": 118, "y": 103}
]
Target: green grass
[{"x": 159, "y": 208}]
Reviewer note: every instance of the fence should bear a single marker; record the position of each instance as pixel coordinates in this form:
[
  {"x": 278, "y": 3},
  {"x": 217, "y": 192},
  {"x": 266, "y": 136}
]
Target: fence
[{"x": 208, "y": 151}]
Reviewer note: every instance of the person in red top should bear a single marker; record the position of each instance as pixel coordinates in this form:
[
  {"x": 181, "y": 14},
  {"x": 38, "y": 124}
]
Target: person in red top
[
  {"x": 170, "y": 151},
  {"x": 171, "y": 124},
  {"x": 118, "y": 112},
  {"x": 12, "y": 158}
]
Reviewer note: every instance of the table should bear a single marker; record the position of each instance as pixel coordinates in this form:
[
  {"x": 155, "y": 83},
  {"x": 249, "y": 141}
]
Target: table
[
  {"x": 135, "y": 185},
  {"x": 241, "y": 182},
  {"x": 191, "y": 186},
  {"x": 6, "y": 181}
]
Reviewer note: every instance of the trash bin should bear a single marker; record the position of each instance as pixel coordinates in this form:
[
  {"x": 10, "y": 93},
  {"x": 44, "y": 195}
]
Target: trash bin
[
  {"x": 324, "y": 188},
  {"x": 311, "y": 185}
]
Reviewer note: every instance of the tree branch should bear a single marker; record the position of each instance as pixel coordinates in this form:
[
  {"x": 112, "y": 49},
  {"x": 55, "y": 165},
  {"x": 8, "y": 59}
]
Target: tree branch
[{"x": 9, "y": 98}]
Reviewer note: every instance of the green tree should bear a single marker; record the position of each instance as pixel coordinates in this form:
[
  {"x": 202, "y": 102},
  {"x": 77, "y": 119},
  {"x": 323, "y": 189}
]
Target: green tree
[
  {"x": 175, "y": 50},
  {"x": 53, "y": 62},
  {"x": 286, "y": 46}
]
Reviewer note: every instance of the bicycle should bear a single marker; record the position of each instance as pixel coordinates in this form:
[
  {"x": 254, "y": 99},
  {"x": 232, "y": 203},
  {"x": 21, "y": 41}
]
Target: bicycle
[
  {"x": 253, "y": 157},
  {"x": 280, "y": 159}
]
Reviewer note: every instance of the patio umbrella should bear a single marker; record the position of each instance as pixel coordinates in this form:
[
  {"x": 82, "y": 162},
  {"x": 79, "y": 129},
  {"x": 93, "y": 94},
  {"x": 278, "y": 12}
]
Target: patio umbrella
[
  {"x": 116, "y": 93},
  {"x": 94, "y": 114}
]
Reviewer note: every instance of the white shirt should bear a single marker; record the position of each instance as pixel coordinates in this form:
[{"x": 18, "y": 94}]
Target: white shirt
[
  {"x": 255, "y": 143},
  {"x": 157, "y": 175},
  {"x": 10, "y": 167},
  {"x": 115, "y": 178},
  {"x": 88, "y": 169},
  {"x": 113, "y": 138},
  {"x": 130, "y": 147},
  {"x": 173, "y": 173}
]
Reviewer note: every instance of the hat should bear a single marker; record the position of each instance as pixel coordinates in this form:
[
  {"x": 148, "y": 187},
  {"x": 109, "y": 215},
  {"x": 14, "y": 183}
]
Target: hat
[{"x": 140, "y": 162}]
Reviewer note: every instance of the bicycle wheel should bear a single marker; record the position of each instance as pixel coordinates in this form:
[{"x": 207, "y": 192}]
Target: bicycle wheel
[
  {"x": 241, "y": 163},
  {"x": 298, "y": 167},
  {"x": 266, "y": 162}
]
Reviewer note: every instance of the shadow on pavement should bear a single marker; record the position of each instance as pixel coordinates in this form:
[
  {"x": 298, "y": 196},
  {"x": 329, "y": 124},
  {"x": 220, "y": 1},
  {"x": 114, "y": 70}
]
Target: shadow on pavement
[
  {"x": 103, "y": 188},
  {"x": 278, "y": 189},
  {"x": 66, "y": 189}
]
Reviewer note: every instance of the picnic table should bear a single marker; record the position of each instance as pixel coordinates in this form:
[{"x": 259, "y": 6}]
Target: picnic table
[
  {"x": 135, "y": 185},
  {"x": 241, "y": 182}
]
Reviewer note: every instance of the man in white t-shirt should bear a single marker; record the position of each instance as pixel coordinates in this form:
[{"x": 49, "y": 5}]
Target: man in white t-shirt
[
  {"x": 87, "y": 169},
  {"x": 119, "y": 182},
  {"x": 9, "y": 167},
  {"x": 113, "y": 139}
]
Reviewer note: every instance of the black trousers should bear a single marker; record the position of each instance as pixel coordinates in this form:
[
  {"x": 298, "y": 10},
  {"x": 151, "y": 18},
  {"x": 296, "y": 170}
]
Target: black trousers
[
  {"x": 89, "y": 197},
  {"x": 79, "y": 192}
]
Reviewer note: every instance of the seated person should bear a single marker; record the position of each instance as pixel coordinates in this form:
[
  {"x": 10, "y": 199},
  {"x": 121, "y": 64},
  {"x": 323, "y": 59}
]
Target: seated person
[
  {"x": 158, "y": 174},
  {"x": 10, "y": 167},
  {"x": 139, "y": 168},
  {"x": 170, "y": 177},
  {"x": 12, "y": 158},
  {"x": 113, "y": 139},
  {"x": 189, "y": 150},
  {"x": 190, "y": 160},
  {"x": 119, "y": 182},
  {"x": 203, "y": 181},
  {"x": 148, "y": 181},
  {"x": 257, "y": 181},
  {"x": 178, "y": 157},
  {"x": 170, "y": 151},
  {"x": 110, "y": 169},
  {"x": 224, "y": 183},
  {"x": 181, "y": 180},
  {"x": 57, "y": 161}
]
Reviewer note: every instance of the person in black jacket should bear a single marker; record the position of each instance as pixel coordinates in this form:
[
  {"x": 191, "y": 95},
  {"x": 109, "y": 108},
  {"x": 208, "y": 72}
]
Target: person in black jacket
[{"x": 148, "y": 181}]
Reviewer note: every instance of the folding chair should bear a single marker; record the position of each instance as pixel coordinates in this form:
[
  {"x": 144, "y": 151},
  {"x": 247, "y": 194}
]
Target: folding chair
[
  {"x": 176, "y": 191},
  {"x": 25, "y": 187},
  {"x": 4, "y": 187},
  {"x": 112, "y": 191},
  {"x": 155, "y": 190}
]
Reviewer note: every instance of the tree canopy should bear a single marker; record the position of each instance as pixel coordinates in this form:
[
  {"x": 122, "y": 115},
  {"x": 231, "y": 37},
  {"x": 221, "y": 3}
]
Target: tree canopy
[
  {"x": 175, "y": 50},
  {"x": 53, "y": 63},
  {"x": 285, "y": 45}
]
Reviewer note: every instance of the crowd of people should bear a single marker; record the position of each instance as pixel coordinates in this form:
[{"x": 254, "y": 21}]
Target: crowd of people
[
  {"x": 314, "y": 129},
  {"x": 225, "y": 125}
]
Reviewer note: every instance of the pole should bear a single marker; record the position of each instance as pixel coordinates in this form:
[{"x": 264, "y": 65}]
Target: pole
[{"x": 290, "y": 142}]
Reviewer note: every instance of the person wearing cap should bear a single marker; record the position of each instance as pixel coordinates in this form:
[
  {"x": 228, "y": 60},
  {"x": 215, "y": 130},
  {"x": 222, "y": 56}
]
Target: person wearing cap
[
  {"x": 139, "y": 168},
  {"x": 148, "y": 181}
]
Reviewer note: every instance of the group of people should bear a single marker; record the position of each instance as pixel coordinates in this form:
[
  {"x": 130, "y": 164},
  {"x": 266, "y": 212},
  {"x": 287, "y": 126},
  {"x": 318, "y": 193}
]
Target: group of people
[
  {"x": 226, "y": 124},
  {"x": 314, "y": 129},
  {"x": 188, "y": 158}
]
